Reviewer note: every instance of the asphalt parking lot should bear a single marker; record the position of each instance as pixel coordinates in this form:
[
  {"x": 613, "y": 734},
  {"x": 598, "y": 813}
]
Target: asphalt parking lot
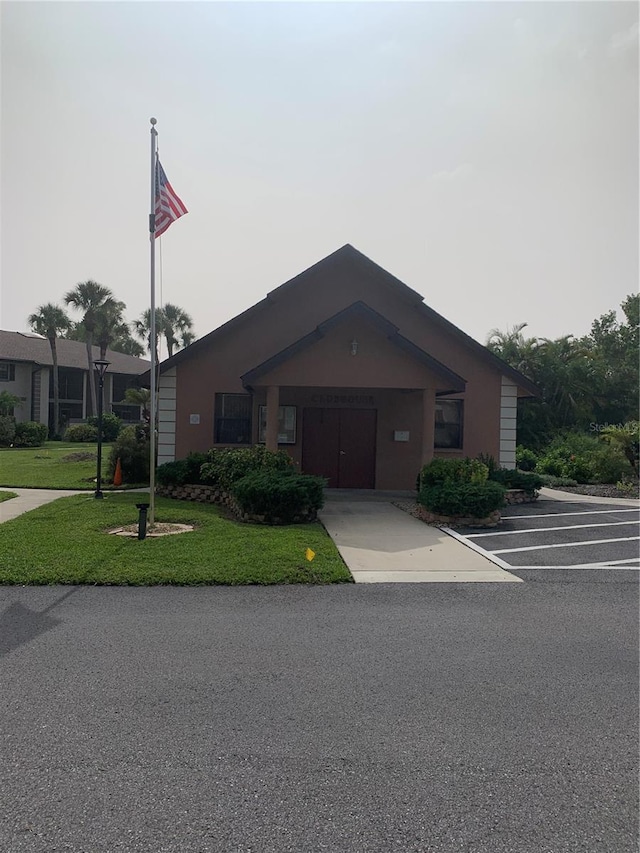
[{"x": 559, "y": 534}]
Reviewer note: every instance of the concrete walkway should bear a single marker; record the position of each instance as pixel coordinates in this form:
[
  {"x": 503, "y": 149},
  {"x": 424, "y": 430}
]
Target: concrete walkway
[
  {"x": 383, "y": 544},
  {"x": 29, "y": 499},
  {"x": 572, "y": 497}
]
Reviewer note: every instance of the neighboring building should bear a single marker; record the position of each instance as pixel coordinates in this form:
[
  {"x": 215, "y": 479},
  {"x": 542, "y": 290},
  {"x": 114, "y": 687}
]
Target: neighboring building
[
  {"x": 346, "y": 368},
  {"x": 26, "y": 372}
]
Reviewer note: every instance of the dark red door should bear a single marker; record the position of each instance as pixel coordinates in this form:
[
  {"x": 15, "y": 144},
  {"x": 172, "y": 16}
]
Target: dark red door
[
  {"x": 357, "y": 455},
  {"x": 340, "y": 444}
]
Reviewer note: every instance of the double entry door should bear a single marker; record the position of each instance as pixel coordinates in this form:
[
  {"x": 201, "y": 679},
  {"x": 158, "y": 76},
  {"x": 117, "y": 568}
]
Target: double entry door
[{"x": 340, "y": 444}]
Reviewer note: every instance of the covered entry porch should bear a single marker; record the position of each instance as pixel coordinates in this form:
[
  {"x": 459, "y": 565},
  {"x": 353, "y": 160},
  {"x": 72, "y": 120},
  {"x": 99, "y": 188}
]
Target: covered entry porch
[{"x": 358, "y": 438}]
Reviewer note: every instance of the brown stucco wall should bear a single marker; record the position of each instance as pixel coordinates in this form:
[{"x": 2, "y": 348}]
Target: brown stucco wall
[{"x": 297, "y": 310}]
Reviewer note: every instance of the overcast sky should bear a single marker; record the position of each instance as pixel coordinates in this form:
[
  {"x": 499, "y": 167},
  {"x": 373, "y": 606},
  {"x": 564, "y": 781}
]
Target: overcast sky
[{"x": 484, "y": 153}]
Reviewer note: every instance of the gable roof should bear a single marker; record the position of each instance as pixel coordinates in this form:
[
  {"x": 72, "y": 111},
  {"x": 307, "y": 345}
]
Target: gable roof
[
  {"x": 20, "y": 346},
  {"x": 361, "y": 310},
  {"x": 348, "y": 255}
]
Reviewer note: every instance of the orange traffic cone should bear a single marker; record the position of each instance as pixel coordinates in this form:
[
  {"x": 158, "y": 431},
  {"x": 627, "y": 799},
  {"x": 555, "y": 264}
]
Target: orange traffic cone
[{"x": 117, "y": 474}]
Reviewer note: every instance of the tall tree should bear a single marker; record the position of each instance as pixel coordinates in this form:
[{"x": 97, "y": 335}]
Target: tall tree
[
  {"x": 142, "y": 328},
  {"x": 88, "y": 297},
  {"x": 51, "y": 321},
  {"x": 110, "y": 323},
  {"x": 122, "y": 340},
  {"x": 177, "y": 327}
]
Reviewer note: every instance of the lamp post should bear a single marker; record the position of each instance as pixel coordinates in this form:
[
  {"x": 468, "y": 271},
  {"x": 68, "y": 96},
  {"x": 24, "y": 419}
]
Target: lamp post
[{"x": 101, "y": 368}]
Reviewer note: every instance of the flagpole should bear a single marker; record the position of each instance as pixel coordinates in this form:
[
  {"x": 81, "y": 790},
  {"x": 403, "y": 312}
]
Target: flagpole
[{"x": 152, "y": 325}]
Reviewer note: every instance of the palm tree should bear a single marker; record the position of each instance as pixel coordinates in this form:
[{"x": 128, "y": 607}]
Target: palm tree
[
  {"x": 89, "y": 297},
  {"x": 109, "y": 324},
  {"x": 142, "y": 328},
  {"x": 49, "y": 321},
  {"x": 177, "y": 325},
  {"x": 139, "y": 397}
]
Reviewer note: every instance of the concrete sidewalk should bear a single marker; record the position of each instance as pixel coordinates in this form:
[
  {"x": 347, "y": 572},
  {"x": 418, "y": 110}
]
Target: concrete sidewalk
[
  {"x": 383, "y": 544},
  {"x": 29, "y": 499}
]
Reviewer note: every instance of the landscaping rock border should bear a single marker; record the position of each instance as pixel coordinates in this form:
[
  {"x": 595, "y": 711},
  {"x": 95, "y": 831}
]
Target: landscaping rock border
[{"x": 216, "y": 495}]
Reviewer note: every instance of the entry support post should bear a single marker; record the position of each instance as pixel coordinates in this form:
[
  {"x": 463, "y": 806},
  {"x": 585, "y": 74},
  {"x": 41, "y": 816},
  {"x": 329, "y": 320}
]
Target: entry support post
[
  {"x": 428, "y": 423},
  {"x": 273, "y": 402}
]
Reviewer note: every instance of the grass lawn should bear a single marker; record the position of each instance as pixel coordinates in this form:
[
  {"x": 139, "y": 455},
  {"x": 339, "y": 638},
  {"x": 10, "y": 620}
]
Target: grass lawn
[
  {"x": 55, "y": 465},
  {"x": 65, "y": 542},
  {"x": 6, "y": 496}
]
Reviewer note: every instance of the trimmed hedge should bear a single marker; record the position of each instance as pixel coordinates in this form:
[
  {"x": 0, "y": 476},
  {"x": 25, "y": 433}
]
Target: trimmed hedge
[
  {"x": 467, "y": 500},
  {"x": 30, "y": 434},
  {"x": 81, "y": 432},
  {"x": 225, "y": 466},
  {"x": 511, "y": 478},
  {"x": 441, "y": 470},
  {"x": 182, "y": 471},
  {"x": 279, "y": 496}
]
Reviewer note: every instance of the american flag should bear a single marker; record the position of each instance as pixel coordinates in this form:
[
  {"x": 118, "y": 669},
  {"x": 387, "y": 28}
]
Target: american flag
[{"x": 168, "y": 205}]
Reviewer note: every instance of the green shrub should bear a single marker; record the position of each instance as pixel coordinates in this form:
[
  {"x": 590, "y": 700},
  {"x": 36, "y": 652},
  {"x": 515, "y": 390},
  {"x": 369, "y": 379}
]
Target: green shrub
[
  {"x": 626, "y": 439},
  {"x": 111, "y": 425},
  {"x": 469, "y": 500},
  {"x": 526, "y": 460},
  {"x": 488, "y": 460},
  {"x": 441, "y": 470},
  {"x": 7, "y": 430},
  {"x": 132, "y": 448},
  {"x": 182, "y": 470},
  {"x": 8, "y": 402},
  {"x": 30, "y": 434},
  {"x": 511, "y": 478},
  {"x": 172, "y": 473},
  {"x": 582, "y": 458},
  {"x": 81, "y": 432},
  {"x": 280, "y": 496},
  {"x": 227, "y": 465},
  {"x": 557, "y": 482}
]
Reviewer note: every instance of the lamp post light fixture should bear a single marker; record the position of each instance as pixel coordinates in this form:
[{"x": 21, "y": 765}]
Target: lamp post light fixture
[{"x": 101, "y": 368}]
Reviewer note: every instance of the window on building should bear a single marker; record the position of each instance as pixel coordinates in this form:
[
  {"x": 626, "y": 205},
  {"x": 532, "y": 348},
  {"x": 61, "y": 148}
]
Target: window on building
[
  {"x": 7, "y": 372},
  {"x": 448, "y": 431},
  {"x": 70, "y": 383},
  {"x": 286, "y": 424},
  {"x": 233, "y": 419},
  {"x": 120, "y": 383}
]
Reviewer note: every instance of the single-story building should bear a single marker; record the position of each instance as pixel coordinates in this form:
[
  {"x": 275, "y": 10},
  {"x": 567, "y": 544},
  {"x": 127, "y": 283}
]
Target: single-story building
[
  {"x": 347, "y": 369},
  {"x": 26, "y": 371}
]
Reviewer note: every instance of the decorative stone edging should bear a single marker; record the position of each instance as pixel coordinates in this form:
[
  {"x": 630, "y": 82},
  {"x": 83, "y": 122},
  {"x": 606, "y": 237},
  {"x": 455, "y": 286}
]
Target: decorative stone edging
[
  {"x": 423, "y": 514},
  {"x": 216, "y": 495},
  {"x": 519, "y": 496}
]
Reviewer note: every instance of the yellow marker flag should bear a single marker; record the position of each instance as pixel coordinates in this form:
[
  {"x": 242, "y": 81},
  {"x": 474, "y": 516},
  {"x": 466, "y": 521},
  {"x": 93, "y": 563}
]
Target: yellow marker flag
[{"x": 309, "y": 554}]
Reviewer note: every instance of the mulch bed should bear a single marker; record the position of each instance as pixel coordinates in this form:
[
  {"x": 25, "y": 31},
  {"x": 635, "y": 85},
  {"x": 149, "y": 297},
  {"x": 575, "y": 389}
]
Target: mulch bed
[{"x": 600, "y": 490}]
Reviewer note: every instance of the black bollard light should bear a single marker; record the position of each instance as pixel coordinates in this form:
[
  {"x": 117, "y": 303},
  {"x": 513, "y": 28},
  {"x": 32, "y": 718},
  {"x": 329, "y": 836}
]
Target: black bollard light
[
  {"x": 101, "y": 368},
  {"x": 142, "y": 520}
]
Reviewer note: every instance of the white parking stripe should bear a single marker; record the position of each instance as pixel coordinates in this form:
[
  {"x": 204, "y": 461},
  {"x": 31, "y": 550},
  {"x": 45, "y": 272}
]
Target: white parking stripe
[
  {"x": 565, "y": 545},
  {"x": 582, "y": 566},
  {"x": 465, "y": 541},
  {"x": 560, "y": 514},
  {"x": 548, "y": 529}
]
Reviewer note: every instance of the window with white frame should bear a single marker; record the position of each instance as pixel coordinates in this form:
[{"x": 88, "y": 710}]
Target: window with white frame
[{"x": 286, "y": 424}]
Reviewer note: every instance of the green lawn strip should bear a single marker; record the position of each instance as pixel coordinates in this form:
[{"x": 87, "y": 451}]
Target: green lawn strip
[
  {"x": 6, "y": 496},
  {"x": 65, "y": 542},
  {"x": 47, "y": 468}
]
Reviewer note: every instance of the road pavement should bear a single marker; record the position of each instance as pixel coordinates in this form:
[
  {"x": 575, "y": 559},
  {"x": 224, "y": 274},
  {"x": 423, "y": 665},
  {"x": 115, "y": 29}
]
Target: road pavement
[{"x": 400, "y": 718}]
